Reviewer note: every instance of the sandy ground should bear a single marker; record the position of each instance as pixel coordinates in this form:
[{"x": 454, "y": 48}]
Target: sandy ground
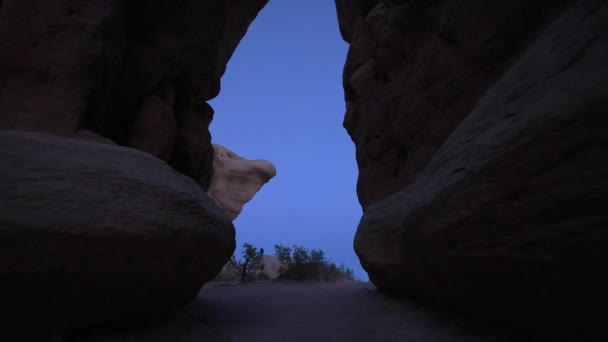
[{"x": 279, "y": 311}]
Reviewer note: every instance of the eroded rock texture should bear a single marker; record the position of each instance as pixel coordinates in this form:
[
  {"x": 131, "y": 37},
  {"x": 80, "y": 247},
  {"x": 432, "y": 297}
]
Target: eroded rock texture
[
  {"x": 481, "y": 141},
  {"x": 236, "y": 179},
  {"x": 109, "y": 240},
  {"x": 91, "y": 232},
  {"x": 119, "y": 68}
]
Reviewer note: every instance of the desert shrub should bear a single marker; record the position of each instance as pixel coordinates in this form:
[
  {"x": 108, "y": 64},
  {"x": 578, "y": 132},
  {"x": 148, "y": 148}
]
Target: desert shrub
[
  {"x": 298, "y": 263},
  {"x": 283, "y": 253},
  {"x": 347, "y": 272},
  {"x": 245, "y": 269}
]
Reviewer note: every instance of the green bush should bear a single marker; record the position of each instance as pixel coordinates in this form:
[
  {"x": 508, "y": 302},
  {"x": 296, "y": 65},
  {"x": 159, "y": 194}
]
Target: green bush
[{"x": 298, "y": 263}]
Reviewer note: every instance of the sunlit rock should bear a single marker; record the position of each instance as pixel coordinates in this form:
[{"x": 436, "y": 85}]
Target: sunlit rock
[{"x": 236, "y": 179}]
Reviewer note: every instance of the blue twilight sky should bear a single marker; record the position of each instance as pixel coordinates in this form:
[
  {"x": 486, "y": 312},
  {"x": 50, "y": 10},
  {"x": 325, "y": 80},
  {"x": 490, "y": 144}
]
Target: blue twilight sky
[{"x": 282, "y": 100}]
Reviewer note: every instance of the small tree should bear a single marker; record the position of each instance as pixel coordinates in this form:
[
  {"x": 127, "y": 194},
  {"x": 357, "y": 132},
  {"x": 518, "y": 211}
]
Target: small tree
[
  {"x": 252, "y": 262},
  {"x": 300, "y": 255},
  {"x": 283, "y": 253},
  {"x": 317, "y": 256}
]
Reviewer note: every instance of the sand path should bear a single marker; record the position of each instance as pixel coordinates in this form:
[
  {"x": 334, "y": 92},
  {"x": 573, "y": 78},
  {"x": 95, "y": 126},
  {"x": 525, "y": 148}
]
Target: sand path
[{"x": 272, "y": 311}]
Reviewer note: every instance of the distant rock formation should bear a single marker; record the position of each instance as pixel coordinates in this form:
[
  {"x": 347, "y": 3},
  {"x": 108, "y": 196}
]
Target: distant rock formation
[
  {"x": 269, "y": 269},
  {"x": 480, "y": 133},
  {"x": 236, "y": 180},
  {"x": 271, "y": 266},
  {"x": 106, "y": 240},
  {"x": 93, "y": 232}
]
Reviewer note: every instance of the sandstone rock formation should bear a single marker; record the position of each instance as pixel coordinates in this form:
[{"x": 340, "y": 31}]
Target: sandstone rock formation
[
  {"x": 91, "y": 231},
  {"x": 481, "y": 140},
  {"x": 105, "y": 240},
  {"x": 155, "y": 129},
  {"x": 118, "y": 68},
  {"x": 236, "y": 180},
  {"x": 272, "y": 266}
]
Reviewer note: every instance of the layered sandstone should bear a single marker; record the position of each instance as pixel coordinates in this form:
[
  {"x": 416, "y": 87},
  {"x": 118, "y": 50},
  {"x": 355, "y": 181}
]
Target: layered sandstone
[
  {"x": 236, "y": 179},
  {"x": 480, "y": 136}
]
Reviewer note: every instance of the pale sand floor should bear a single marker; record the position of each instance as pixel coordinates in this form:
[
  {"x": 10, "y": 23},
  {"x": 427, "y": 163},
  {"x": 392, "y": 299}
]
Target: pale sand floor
[{"x": 278, "y": 311}]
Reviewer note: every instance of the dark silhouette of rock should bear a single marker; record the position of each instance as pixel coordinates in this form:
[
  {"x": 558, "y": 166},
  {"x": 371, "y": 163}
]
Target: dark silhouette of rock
[
  {"x": 109, "y": 240},
  {"x": 92, "y": 232},
  {"x": 193, "y": 153},
  {"x": 99, "y": 65},
  {"x": 415, "y": 70},
  {"x": 481, "y": 140},
  {"x": 155, "y": 128}
]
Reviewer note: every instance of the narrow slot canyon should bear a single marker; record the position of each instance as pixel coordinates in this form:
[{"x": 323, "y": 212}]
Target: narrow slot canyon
[{"x": 347, "y": 170}]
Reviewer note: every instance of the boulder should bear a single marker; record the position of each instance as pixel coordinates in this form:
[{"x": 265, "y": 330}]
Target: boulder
[
  {"x": 482, "y": 157},
  {"x": 236, "y": 180},
  {"x": 271, "y": 266},
  {"x": 97, "y": 234}
]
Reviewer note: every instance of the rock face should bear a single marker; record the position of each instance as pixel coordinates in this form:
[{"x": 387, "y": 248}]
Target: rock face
[
  {"x": 481, "y": 144},
  {"x": 105, "y": 240},
  {"x": 236, "y": 180},
  {"x": 118, "y": 68},
  {"x": 155, "y": 128},
  {"x": 93, "y": 233}
]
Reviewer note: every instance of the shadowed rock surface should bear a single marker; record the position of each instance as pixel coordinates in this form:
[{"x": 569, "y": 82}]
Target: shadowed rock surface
[
  {"x": 93, "y": 233},
  {"x": 119, "y": 68},
  {"x": 236, "y": 179},
  {"x": 108, "y": 240},
  {"x": 481, "y": 143},
  {"x": 155, "y": 129}
]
